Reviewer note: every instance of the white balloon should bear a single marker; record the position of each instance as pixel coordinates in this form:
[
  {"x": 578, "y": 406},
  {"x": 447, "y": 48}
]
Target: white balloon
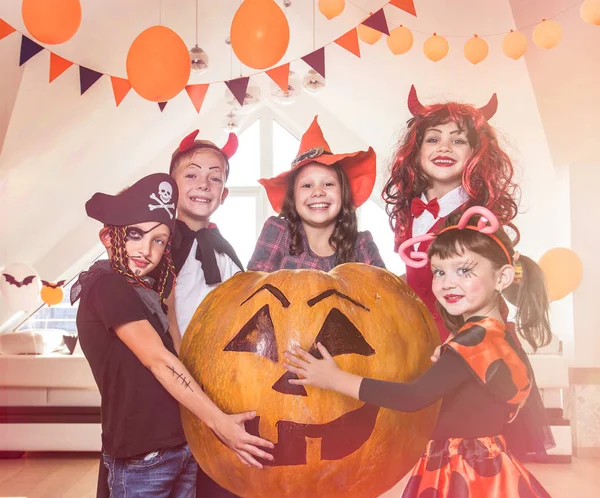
[{"x": 20, "y": 287}]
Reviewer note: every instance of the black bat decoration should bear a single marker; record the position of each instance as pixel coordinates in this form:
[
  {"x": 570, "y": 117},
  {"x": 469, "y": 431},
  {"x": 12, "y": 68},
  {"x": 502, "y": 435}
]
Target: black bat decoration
[
  {"x": 13, "y": 281},
  {"x": 60, "y": 283}
]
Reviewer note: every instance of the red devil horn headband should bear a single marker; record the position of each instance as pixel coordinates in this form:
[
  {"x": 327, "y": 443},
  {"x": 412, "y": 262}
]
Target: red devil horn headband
[
  {"x": 188, "y": 141},
  {"x": 228, "y": 150},
  {"x": 416, "y": 108},
  {"x": 488, "y": 225}
]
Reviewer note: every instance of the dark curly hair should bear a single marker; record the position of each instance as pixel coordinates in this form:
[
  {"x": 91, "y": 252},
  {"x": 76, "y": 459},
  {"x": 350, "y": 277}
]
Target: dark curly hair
[
  {"x": 345, "y": 233},
  {"x": 487, "y": 176}
]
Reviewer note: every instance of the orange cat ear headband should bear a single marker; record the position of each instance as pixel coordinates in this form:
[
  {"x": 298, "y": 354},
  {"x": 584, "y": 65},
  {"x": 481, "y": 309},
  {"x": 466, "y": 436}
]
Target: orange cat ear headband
[{"x": 488, "y": 225}]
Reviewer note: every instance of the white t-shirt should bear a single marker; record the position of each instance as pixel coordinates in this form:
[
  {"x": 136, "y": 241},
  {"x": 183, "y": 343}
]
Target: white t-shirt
[{"x": 191, "y": 287}]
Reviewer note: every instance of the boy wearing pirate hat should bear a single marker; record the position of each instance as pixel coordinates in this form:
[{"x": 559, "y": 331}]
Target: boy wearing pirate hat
[{"x": 124, "y": 335}]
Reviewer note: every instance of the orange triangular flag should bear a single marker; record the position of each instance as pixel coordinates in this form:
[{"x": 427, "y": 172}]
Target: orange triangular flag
[
  {"x": 405, "y": 5},
  {"x": 5, "y": 29},
  {"x": 58, "y": 65},
  {"x": 197, "y": 94},
  {"x": 120, "y": 88},
  {"x": 349, "y": 41},
  {"x": 281, "y": 76}
]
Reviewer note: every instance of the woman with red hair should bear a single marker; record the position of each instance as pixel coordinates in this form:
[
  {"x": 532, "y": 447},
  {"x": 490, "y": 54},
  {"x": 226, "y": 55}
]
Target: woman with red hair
[{"x": 449, "y": 161}]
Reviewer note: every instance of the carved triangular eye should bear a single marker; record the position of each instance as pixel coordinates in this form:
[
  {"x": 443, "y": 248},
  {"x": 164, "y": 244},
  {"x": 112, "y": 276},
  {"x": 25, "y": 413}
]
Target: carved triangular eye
[
  {"x": 257, "y": 336},
  {"x": 340, "y": 336}
]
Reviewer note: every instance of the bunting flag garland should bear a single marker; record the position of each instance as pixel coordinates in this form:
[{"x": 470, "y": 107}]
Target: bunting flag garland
[
  {"x": 87, "y": 77},
  {"x": 58, "y": 65},
  {"x": 29, "y": 48},
  {"x": 197, "y": 94},
  {"x": 5, "y": 29},
  {"x": 349, "y": 41},
  {"x": 238, "y": 87},
  {"x": 405, "y": 5},
  {"x": 378, "y": 22},
  {"x": 514, "y": 45},
  {"x": 120, "y": 87},
  {"x": 281, "y": 76},
  {"x": 316, "y": 60},
  {"x": 162, "y": 105}
]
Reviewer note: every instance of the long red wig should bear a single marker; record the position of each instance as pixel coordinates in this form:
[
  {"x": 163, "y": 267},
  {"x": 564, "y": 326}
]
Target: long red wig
[{"x": 487, "y": 175}]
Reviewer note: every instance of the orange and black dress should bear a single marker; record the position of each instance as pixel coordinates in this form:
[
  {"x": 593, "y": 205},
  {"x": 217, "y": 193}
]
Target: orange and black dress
[{"x": 482, "y": 383}]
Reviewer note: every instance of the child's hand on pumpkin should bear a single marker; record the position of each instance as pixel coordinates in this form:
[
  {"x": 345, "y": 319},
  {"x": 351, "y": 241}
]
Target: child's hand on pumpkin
[
  {"x": 310, "y": 370},
  {"x": 230, "y": 429}
]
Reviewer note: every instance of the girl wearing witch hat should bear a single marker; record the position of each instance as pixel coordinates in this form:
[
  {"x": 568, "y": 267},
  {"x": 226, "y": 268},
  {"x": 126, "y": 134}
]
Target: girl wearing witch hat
[
  {"x": 316, "y": 201},
  {"x": 123, "y": 331}
]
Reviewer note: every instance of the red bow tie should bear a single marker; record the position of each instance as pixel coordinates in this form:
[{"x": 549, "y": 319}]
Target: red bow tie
[{"x": 417, "y": 207}]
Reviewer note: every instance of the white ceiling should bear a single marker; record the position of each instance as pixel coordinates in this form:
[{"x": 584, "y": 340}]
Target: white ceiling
[{"x": 59, "y": 147}]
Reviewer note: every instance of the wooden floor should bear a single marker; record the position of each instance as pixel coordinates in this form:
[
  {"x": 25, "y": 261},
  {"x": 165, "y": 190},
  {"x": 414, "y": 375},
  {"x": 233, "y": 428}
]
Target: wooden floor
[{"x": 73, "y": 475}]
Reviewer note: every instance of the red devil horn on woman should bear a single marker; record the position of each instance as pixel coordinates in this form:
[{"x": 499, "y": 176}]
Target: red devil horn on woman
[{"x": 415, "y": 107}]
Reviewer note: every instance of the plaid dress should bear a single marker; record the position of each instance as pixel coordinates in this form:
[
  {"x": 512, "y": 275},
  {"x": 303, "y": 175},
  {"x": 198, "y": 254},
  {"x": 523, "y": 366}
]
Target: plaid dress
[{"x": 272, "y": 250}]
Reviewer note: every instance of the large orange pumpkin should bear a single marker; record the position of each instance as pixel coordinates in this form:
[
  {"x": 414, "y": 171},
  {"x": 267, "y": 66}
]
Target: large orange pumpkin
[{"x": 327, "y": 445}]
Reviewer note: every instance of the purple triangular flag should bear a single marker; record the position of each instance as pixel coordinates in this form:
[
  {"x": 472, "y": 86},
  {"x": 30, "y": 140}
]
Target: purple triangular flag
[
  {"x": 87, "y": 77},
  {"x": 316, "y": 60},
  {"x": 238, "y": 87},
  {"x": 28, "y": 49},
  {"x": 378, "y": 22},
  {"x": 162, "y": 105}
]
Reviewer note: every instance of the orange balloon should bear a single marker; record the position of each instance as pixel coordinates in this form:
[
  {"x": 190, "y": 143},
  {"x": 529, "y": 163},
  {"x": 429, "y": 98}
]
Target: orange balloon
[
  {"x": 514, "y": 44},
  {"x": 476, "y": 50},
  {"x": 368, "y": 35},
  {"x": 51, "y": 21},
  {"x": 563, "y": 271},
  {"x": 400, "y": 40},
  {"x": 158, "y": 64},
  {"x": 547, "y": 34},
  {"x": 590, "y": 12},
  {"x": 260, "y": 33},
  {"x": 331, "y": 8},
  {"x": 436, "y": 48},
  {"x": 51, "y": 295}
]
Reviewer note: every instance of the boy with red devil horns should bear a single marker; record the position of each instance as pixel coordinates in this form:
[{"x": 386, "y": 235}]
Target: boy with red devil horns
[{"x": 201, "y": 256}]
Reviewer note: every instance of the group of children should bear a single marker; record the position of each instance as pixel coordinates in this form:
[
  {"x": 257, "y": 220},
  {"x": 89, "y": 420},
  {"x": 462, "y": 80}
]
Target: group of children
[{"x": 165, "y": 256}]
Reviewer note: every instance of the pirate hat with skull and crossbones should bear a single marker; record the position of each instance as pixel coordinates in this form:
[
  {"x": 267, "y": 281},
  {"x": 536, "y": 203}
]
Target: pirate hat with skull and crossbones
[{"x": 153, "y": 198}]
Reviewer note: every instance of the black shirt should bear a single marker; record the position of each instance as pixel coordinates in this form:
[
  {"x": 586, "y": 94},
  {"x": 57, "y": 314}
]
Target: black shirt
[
  {"x": 138, "y": 413},
  {"x": 468, "y": 410}
]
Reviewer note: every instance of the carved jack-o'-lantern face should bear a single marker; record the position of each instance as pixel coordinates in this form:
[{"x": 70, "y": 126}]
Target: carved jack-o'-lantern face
[{"x": 326, "y": 444}]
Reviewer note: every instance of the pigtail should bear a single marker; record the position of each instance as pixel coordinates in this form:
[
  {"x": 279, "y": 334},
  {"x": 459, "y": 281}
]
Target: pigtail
[
  {"x": 530, "y": 297},
  {"x": 166, "y": 279}
]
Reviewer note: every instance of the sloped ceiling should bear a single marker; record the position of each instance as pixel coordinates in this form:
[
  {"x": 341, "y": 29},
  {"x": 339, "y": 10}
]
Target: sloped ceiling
[{"x": 59, "y": 147}]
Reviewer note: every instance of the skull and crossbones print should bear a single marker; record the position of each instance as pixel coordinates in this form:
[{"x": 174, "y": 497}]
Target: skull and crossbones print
[{"x": 165, "y": 193}]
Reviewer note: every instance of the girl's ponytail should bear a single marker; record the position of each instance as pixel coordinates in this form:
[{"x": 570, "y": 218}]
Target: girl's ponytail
[{"x": 528, "y": 293}]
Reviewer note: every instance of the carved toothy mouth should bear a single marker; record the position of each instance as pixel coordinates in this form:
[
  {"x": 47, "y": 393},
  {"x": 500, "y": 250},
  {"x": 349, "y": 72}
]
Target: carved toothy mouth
[{"x": 339, "y": 438}]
